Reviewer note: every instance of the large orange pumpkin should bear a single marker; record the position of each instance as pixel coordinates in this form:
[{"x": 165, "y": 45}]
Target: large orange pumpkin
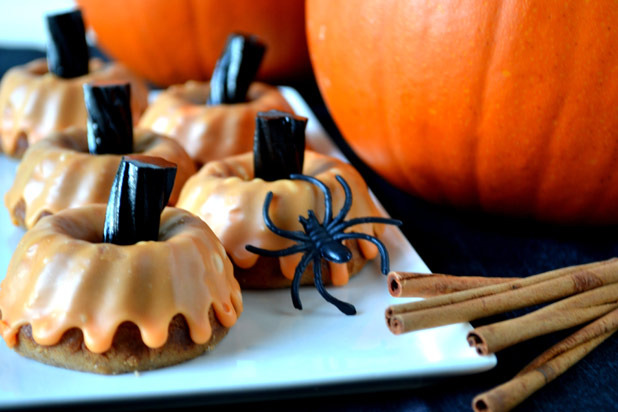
[
  {"x": 510, "y": 106},
  {"x": 172, "y": 41}
]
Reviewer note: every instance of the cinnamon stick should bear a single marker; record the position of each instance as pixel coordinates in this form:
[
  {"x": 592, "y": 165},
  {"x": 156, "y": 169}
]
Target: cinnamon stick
[
  {"x": 563, "y": 314},
  {"x": 601, "y": 326},
  {"x": 491, "y": 289},
  {"x": 410, "y": 284},
  {"x": 546, "y": 367},
  {"x": 491, "y": 300}
]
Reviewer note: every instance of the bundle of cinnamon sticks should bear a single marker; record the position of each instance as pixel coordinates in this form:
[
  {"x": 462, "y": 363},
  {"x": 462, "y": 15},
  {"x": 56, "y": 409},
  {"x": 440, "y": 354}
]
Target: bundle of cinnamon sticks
[{"x": 578, "y": 294}]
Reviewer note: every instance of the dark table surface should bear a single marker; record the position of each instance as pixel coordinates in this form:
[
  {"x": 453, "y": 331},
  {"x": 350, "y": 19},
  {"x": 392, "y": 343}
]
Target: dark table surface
[{"x": 456, "y": 242}]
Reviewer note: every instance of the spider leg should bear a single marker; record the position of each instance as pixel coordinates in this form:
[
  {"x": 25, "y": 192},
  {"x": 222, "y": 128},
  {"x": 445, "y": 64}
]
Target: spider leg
[
  {"x": 383, "y": 252},
  {"x": 346, "y": 308},
  {"x": 294, "y": 235},
  {"x": 300, "y": 269},
  {"x": 328, "y": 200},
  {"x": 277, "y": 253},
  {"x": 347, "y": 204},
  {"x": 343, "y": 225}
]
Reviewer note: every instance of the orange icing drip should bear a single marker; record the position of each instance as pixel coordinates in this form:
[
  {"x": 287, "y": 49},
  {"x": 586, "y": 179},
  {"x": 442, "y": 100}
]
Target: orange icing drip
[
  {"x": 60, "y": 277},
  {"x": 210, "y": 132},
  {"x": 58, "y": 172},
  {"x": 34, "y": 102},
  {"x": 339, "y": 273},
  {"x": 288, "y": 264},
  {"x": 228, "y": 198}
]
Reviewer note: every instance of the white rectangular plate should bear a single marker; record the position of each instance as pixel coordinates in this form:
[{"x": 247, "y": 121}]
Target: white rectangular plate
[{"x": 273, "y": 346}]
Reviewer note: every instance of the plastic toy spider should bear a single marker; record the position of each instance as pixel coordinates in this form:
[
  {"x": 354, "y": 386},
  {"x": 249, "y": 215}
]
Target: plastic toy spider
[{"x": 323, "y": 240}]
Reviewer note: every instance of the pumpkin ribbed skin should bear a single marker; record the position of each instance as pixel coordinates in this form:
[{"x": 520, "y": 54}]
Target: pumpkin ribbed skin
[
  {"x": 171, "y": 42},
  {"x": 508, "y": 106}
]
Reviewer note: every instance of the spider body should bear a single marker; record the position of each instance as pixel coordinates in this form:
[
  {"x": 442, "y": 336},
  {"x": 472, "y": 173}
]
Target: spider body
[{"x": 322, "y": 240}]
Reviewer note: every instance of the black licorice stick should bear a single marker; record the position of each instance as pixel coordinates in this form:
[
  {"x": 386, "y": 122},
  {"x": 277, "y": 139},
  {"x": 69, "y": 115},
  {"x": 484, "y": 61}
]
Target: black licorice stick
[
  {"x": 110, "y": 123},
  {"x": 67, "y": 51},
  {"x": 278, "y": 145},
  {"x": 236, "y": 69},
  {"x": 141, "y": 189}
]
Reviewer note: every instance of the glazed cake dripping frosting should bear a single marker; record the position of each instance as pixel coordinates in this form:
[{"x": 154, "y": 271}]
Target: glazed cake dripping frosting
[
  {"x": 228, "y": 198},
  {"x": 61, "y": 277}
]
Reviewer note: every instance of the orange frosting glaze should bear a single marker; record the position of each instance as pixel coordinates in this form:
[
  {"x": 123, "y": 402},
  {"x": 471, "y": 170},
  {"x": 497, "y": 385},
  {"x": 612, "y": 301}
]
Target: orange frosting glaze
[
  {"x": 228, "y": 198},
  {"x": 61, "y": 276},
  {"x": 58, "y": 173},
  {"x": 35, "y": 102},
  {"x": 210, "y": 132}
]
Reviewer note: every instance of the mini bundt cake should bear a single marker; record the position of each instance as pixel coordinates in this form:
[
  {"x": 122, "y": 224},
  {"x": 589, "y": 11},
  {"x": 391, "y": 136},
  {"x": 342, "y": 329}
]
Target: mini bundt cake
[
  {"x": 59, "y": 172},
  {"x": 46, "y": 95},
  {"x": 216, "y": 119},
  {"x": 72, "y": 301},
  {"x": 230, "y": 200}
]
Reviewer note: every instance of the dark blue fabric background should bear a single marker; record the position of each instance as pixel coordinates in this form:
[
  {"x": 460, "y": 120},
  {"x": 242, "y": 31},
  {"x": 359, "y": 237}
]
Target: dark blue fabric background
[{"x": 456, "y": 242}]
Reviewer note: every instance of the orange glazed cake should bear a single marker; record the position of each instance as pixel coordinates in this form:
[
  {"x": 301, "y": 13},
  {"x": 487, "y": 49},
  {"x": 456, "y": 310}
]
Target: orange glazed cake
[
  {"x": 230, "y": 200},
  {"x": 59, "y": 172},
  {"x": 72, "y": 301},
  {"x": 216, "y": 119}
]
